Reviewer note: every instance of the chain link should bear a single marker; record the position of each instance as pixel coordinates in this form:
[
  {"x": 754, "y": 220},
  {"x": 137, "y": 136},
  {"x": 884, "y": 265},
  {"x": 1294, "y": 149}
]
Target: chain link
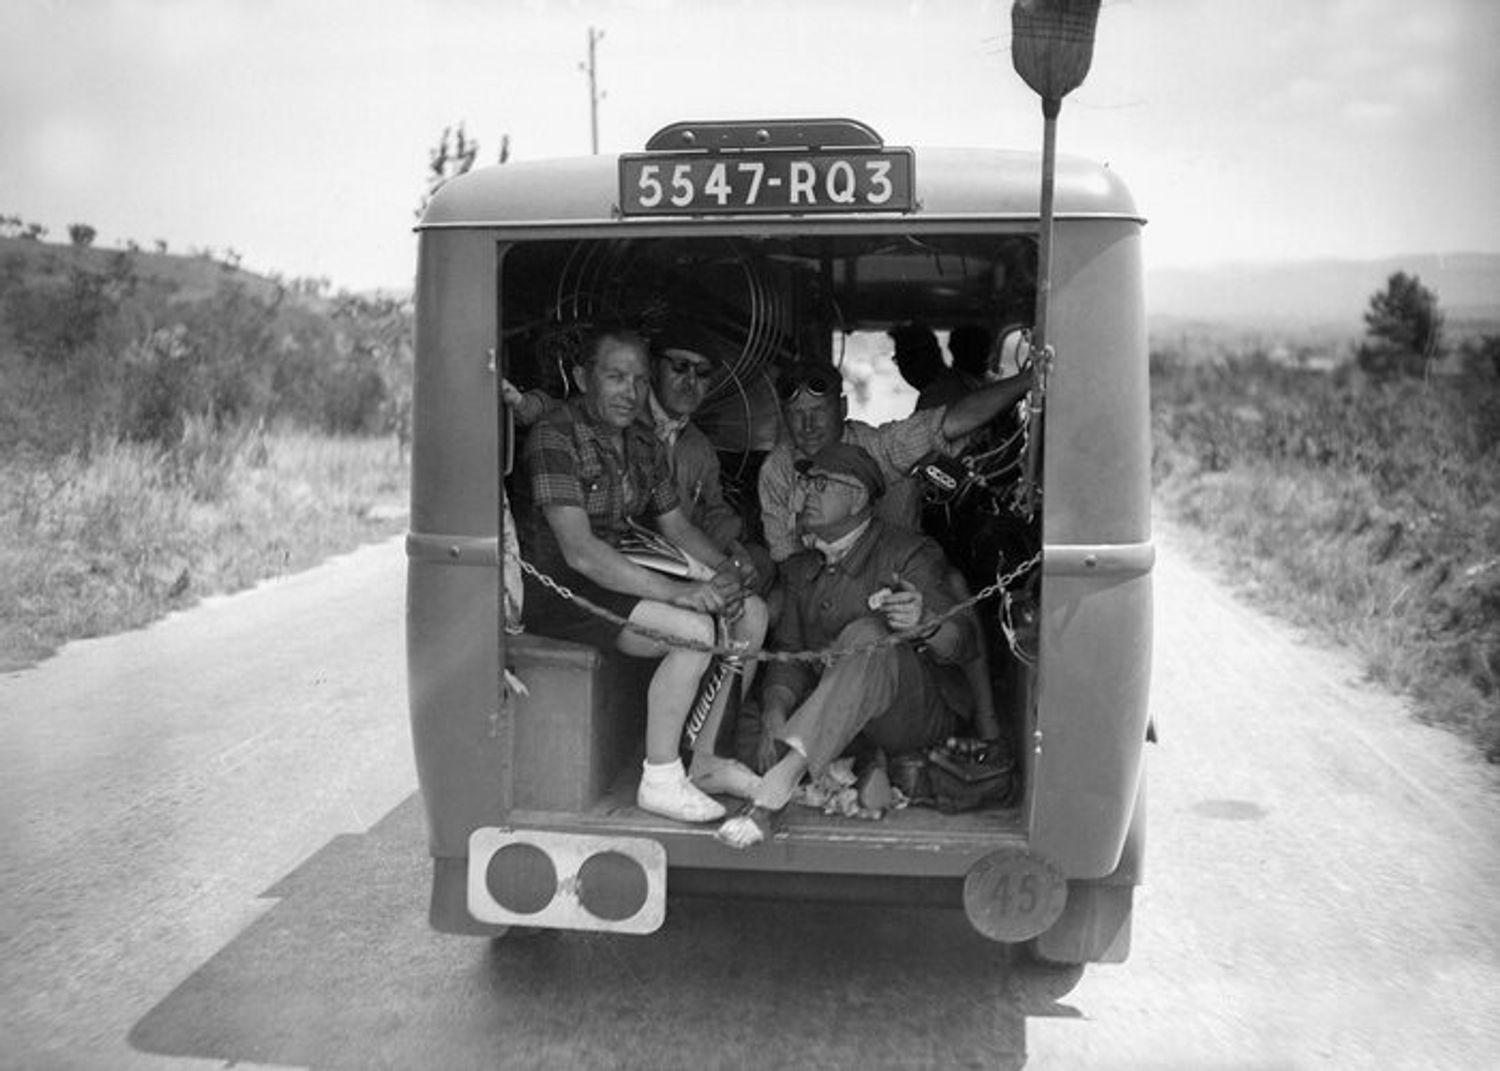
[{"x": 737, "y": 653}]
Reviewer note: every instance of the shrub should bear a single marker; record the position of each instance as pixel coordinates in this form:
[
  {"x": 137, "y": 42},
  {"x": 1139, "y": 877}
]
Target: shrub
[
  {"x": 52, "y": 319},
  {"x": 102, "y": 349}
]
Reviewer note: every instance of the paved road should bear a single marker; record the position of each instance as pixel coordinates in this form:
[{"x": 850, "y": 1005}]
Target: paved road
[{"x": 210, "y": 854}]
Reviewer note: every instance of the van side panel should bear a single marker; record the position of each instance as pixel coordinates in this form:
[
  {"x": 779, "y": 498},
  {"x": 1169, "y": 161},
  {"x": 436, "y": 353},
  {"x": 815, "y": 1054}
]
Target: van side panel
[
  {"x": 452, "y": 638},
  {"x": 1095, "y": 641},
  {"x": 1091, "y": 719},
  {"x": 1098, "y": 451}
]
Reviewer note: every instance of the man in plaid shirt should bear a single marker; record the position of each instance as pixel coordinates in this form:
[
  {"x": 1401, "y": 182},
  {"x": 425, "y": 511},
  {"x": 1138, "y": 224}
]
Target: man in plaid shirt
[{"x": 594, "y": 468}]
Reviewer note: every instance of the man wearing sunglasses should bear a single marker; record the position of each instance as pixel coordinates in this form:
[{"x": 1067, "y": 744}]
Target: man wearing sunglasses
[
  {"x": 684, "y": 361},
  {"x": 816, "y": 414},
  {"x": 861, "y": 581}
]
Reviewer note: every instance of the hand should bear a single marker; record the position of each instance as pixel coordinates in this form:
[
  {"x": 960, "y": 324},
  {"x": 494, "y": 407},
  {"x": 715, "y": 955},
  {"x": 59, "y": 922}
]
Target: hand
[
  {"x": 731, "y": 588},
  {"x": 701, "y": 596},
  {"x": 508, "y": 392},
  {"x": 903, "y": 606},
  {"x": 740, "y": 558}
]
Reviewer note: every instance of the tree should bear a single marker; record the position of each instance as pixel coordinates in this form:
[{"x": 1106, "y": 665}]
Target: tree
[
  {"x": 81, "y": 235},
  {"x": 1404, "y": 327},
  {"x": 453, "y": 155}
]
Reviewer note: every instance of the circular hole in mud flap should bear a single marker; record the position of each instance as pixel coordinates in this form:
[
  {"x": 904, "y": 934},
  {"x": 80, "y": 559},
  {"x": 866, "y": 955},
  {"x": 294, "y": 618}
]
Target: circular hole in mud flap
[
  {"x": 567, "y": 881},
  {"x": 612, "y": 885},
  {"x": 1014, "y": 895},
  {"x": 521, "y": 878}
]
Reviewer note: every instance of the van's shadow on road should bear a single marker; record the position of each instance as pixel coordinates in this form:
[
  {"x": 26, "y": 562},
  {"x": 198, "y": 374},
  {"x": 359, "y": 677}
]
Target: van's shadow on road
[{"x": 343, "y": 973}]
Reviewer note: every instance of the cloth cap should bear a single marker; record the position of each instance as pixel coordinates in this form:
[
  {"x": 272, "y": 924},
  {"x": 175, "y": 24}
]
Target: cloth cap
[
  {"x": 848, "y": 460},
  {"x": 688, "y": 337}
]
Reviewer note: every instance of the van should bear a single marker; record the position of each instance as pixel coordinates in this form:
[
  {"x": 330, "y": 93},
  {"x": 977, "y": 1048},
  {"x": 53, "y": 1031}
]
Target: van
[{"x": 792, "y": 240}]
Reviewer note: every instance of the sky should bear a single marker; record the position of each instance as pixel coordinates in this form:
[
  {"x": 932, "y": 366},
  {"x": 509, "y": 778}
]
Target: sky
[{"x": 296, "y": 132}]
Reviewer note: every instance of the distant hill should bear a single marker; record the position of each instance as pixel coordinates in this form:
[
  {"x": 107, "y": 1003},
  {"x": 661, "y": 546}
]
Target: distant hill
[
  {"x": 193, "y": 276},
  {"x": 1321, "y": 295}
]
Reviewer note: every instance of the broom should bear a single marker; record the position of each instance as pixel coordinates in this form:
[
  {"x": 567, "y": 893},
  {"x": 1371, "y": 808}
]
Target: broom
[{"x": 1051, "y": 48}]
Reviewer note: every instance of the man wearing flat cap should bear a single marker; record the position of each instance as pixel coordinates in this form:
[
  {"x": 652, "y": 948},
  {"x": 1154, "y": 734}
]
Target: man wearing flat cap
[{"x": 860, "y": 582}]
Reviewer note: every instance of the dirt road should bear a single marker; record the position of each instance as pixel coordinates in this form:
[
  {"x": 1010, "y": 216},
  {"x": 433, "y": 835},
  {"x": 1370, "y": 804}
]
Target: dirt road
[
  {"x": 1322, "y": 872},
  {"x": 1321, "y": 883}
]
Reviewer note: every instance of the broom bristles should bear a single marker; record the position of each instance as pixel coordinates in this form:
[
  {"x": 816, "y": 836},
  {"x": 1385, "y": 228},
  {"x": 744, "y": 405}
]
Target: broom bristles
[{"x": 1052, "y": 43}]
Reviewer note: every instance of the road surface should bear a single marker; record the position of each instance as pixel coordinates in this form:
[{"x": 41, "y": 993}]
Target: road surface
[{"x": 210, "y": 855}]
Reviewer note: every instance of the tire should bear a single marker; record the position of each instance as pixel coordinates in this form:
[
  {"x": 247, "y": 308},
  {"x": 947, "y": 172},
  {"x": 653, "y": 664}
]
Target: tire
[{"x": 1094, "y": 927}]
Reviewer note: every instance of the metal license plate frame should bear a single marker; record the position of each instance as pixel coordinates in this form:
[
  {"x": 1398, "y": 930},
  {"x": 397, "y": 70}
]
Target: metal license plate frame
[{"x": 822, "y": 181}]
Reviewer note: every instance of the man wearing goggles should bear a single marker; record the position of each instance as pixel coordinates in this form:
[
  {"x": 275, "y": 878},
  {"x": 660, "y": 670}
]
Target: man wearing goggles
[{"x": 816, "y": 414}]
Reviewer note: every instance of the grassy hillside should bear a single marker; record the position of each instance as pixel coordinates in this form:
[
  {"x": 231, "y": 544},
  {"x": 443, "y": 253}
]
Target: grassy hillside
[
  {"x": 189, "y": 276},
  {"x": 91, "y": 544},
  {"x": 99, "y": 345},
  {"x": 1369, "y": 510},
  {"x": 172, "y": 427}
]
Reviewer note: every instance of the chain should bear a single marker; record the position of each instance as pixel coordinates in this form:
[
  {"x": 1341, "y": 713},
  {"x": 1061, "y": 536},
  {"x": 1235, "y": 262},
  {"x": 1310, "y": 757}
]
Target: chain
[{"x": 736, "y": 653}]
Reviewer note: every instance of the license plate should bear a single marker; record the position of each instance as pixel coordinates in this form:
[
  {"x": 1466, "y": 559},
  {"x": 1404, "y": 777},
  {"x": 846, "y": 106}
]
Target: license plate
[{"x": 700, "y": 184}]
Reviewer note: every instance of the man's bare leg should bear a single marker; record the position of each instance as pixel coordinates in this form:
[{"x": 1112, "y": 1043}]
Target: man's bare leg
[{"x": 665, "y": 788}]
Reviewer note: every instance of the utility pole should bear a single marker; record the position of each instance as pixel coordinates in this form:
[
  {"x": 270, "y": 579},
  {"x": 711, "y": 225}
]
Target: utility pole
[{"x": 595, "y": 36}]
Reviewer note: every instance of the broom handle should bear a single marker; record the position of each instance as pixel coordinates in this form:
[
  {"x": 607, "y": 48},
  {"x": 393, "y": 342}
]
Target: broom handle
[
  {"x": 1027, "y": 496},
  {"x": 1050, "y": 109}
]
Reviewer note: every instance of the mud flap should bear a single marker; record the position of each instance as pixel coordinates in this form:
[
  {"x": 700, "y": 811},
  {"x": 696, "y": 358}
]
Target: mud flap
[{"x": 567, "y": 881}]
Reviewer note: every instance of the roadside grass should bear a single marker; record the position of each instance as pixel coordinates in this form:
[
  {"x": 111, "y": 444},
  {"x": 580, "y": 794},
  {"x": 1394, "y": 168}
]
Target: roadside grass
[
  {"x": 96, "y": 542},
  {"x": 1367, "y": 511}
]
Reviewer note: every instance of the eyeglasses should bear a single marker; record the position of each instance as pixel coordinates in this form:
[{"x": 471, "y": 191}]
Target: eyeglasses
[
  {"x": 817, "y": 382},
  {"x": 683, "y": 366},
  {"x": 819, "y": 481}
]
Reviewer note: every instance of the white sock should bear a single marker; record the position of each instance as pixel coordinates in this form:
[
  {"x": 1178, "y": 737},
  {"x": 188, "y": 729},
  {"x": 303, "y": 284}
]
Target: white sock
[{"x": 662, "y": 773}]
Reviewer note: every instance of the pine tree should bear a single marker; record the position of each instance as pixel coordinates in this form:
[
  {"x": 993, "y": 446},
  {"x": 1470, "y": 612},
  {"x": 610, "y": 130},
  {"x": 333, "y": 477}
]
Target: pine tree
[{"x": 1404, "y": 327}]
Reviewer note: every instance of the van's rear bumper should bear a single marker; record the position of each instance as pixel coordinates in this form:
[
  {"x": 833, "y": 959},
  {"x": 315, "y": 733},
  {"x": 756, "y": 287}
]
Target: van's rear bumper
[{"x": 915, "y": 842}]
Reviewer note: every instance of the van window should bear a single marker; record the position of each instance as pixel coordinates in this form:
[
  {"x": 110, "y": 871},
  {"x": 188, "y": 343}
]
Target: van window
[{"x": 771, "y": 301}]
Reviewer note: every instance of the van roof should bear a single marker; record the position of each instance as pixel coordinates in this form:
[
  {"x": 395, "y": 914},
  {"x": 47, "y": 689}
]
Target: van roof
[{"x": 950, "y": 183}]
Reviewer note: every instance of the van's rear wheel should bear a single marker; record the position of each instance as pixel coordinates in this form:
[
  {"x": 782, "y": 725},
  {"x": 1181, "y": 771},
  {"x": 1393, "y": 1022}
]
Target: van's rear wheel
[{"x": 1093, "y": 928}]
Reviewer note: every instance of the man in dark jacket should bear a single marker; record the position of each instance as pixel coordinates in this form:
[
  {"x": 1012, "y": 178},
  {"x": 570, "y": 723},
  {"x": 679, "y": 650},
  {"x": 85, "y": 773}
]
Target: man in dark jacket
[{"x": 861, "y": 581}]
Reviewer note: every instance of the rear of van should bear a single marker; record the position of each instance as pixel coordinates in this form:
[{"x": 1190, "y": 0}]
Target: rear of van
[{"x": 530, "y": 795}]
